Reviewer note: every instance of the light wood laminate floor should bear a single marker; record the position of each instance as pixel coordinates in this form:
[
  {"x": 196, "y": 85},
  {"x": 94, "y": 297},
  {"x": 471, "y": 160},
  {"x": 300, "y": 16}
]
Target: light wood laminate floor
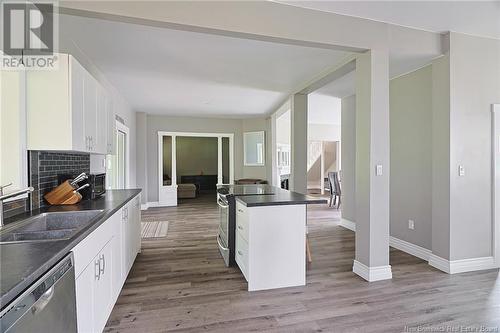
[{"x": 180, "y": 284}]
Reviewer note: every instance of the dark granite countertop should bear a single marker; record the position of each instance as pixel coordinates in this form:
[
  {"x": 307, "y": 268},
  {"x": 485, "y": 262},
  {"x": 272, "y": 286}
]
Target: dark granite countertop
[
  {"x": 250, "y": 189},
  {"x": 279, "y": 197},
  {"x": 23, "y": 263}
]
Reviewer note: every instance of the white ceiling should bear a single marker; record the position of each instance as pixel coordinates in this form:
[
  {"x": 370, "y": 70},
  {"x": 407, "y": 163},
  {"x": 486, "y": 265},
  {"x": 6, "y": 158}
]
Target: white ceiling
[
  {"x": 480, "y": 18},
  {"x": 170, "y": 72}
]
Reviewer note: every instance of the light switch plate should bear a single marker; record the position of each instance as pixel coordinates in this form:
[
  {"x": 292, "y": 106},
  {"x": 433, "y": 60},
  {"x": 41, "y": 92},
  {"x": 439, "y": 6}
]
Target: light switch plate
[
  {"x": 461, "y": 170},
  {"x": 411, "y": 224},
  {"x": 379, "y": 170}
]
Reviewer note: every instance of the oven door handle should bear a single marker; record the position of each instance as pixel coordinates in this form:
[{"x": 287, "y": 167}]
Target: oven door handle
[
  {"x": 221, "y": 203},
  {"x": 220, "y": 244}
]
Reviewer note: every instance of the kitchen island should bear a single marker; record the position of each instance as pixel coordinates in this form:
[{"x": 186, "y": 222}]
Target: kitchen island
[{"x": 271, "y": 237}]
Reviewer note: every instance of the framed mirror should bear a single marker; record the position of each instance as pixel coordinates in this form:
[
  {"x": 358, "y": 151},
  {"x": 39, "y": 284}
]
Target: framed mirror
[{"x": 253, "y": 148}]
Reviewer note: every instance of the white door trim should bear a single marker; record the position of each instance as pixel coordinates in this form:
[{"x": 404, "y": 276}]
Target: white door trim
[
  {"x": 122, "y": 128},
  {"x": 172, "y": 197},
  {"x": 495, "y": 110}
]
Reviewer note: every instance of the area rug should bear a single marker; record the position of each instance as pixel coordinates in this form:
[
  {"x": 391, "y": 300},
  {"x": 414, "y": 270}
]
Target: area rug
[{"x": 154, "y": 229}]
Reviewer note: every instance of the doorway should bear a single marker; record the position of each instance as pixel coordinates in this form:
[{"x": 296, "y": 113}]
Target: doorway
[
  {"x": 183, "y": 169},
  {"x": 118, "y": 163}
]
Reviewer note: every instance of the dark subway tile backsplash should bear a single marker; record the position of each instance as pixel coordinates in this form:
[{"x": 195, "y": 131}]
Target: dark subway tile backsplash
[{"x": 45, "y": 167}]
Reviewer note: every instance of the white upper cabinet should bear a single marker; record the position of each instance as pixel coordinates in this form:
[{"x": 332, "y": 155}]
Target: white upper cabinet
[
  {"x": 66, "y": 109},
  {"x": 101, "y": 135},
  {"x": 77, "y": 77},
  {"x": 111, "y": 126},
  {"x": 90, "y": 110}
]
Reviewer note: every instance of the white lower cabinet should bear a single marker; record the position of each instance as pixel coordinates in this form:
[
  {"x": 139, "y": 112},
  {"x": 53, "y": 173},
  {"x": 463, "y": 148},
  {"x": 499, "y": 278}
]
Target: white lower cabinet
[
  {"x": 102, "y": 262},
  {"x": 270, "y": 245},
  {"x": 94, "y": 291}
]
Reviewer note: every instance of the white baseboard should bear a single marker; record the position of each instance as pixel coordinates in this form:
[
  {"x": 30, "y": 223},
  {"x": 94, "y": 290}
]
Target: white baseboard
[
  {"x": 372, "y": 274},
  {"x": 149, "y": 204},
  {"x": 463, "y": 265},
  {"x": 410, "y": 248},
  {"x": 348, "y": 224}
]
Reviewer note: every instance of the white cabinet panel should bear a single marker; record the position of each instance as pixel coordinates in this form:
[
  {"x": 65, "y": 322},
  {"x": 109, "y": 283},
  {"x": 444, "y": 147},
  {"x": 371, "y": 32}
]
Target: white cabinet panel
[
  {"x": 101, "y": 135},
  {"x": 111, "y": 126},
  {"x": 77, "y": 77},
  {"x": 90, "y": 105},
  {"x": 103, "y": 291},
  {"x": 85, "y": 298}
]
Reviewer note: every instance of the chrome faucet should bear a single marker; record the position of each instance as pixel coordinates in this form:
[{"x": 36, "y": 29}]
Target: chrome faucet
[{"x": 10, "y": 195}]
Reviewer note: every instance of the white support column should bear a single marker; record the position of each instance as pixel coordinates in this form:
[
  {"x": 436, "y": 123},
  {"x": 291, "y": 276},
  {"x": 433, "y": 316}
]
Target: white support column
[
  {"x": 372, "y": 166},
  {"x": 298, "y": 179},
  {"x": 322, "y": 171},
  {"x": 219, "y": 161}
]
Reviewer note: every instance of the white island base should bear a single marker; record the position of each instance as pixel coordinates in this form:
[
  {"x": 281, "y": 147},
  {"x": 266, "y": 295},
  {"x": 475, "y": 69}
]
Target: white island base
[{"x": 270, "y": 245}]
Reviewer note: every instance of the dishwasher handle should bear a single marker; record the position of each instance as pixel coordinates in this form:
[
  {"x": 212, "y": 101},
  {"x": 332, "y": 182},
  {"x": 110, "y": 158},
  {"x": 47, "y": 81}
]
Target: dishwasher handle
[{"x": 42, "y": 302}]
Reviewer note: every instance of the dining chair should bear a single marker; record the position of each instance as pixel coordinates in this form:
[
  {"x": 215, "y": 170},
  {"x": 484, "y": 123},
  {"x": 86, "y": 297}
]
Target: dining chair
[{"x": 335, "y": 191}]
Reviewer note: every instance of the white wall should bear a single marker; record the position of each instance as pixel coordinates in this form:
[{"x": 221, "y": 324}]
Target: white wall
[
  {"x": 348, "y": 153},
  {"x": 474, "y": 86},
  {"x": 203, "y": 125},
  {"x": 411, "y": 156},
  {"x": 323, "y": 132}
]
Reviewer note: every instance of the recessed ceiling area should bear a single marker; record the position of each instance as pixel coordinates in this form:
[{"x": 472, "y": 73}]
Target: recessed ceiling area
[
  {"x": 479, "y": 18},
  {"x": 172, "y": 72}
]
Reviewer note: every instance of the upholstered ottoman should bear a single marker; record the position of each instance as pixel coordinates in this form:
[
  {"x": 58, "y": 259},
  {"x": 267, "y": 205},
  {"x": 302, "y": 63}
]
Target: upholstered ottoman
[{"x": 185, "y": 191}]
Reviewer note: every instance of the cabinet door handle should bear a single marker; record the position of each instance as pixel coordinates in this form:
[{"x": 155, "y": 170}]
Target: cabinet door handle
[
  {"x": 240, "y": 210},
  {"x": 102, "y": 269},
  {"x": 240, "y": 253},
  {"x": 97, "y": 269},
  {"x": 240, "y": 227}
]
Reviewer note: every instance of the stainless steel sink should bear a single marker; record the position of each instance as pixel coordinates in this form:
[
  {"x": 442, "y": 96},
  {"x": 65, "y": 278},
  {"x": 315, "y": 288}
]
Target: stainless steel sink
[{"x": 48, "y": 227}]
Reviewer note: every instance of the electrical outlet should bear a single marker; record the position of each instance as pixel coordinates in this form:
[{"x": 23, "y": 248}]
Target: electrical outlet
[
  {"x": 379, "y": 170},
  {"x": 411, "y": 224}
]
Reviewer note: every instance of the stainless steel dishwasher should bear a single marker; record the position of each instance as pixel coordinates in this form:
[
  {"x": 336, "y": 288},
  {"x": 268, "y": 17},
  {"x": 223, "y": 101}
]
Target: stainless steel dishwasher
[{"x": 48, "y": 305}]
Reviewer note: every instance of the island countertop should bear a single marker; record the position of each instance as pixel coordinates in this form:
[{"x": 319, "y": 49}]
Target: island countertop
[
  {"x": 279, "y": 197},
  {"x": 23, "y": 263}
]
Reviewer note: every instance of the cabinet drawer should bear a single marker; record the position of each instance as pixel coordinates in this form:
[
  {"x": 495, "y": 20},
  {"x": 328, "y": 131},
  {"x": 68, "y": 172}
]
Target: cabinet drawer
[
  {"x": 90, "y": 246},
  {"x": 241, "y": 254},
  {"x": 242, "y": 226},
  {"x": 242, "y": 220}
]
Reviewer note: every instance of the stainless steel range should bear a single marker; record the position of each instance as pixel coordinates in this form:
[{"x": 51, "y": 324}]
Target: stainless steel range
[
  {"x": 227, "y": 223},
  {"x": 226, "y": 199}
]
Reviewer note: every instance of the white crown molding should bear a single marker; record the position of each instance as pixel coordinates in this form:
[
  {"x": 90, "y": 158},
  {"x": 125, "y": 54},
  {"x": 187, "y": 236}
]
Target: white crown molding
[
  {"x": 410, "y": 248},
  {"x": 348, "y": 224},
  {"x": 372, "y": 274}
]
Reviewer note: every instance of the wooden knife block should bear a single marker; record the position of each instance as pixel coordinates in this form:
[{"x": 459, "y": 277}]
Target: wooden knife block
[{"x": 63, "y": 195}]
